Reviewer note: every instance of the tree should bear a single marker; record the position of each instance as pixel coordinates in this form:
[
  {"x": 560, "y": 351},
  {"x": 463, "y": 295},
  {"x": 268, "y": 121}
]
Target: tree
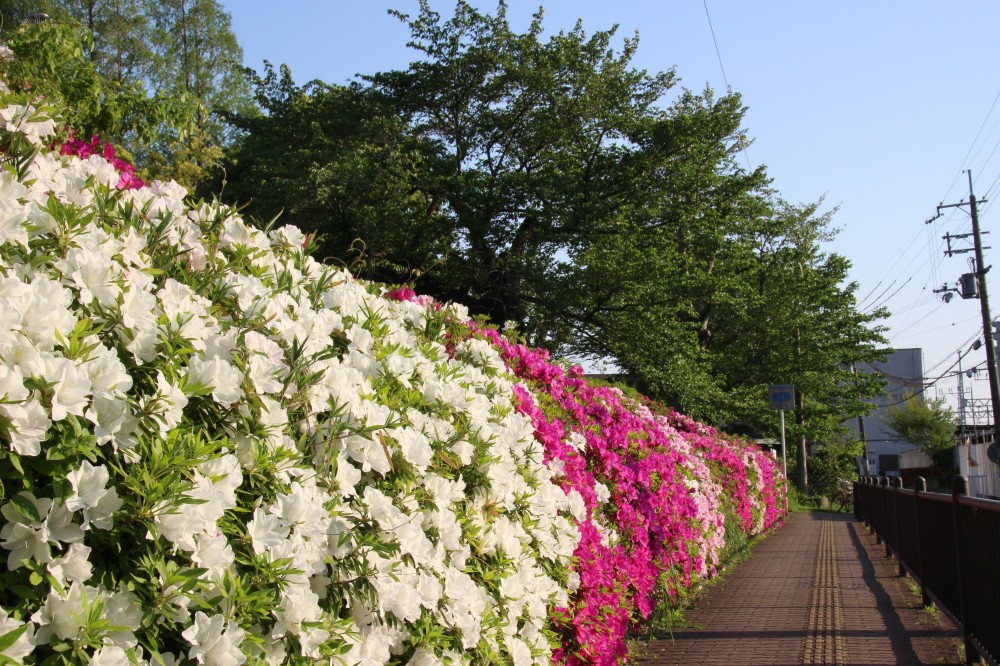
[
  {"x": 802, "y": 326},
  {"x": 928, "y": 424},
  {"x": 534, "y": 147},
  {"x": 120, "y": 32},
  {"x": 152, "y": 76},
  {"x": 666, "y": 276},
  {"x": 198, "y": 64},
  {"x": 836, "y": 459}
]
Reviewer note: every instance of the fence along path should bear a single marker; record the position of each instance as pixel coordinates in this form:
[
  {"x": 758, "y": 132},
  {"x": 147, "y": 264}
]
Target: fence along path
[{"x": 817, "y": 591}]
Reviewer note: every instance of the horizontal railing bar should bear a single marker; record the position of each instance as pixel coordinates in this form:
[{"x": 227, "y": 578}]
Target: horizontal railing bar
[{"x": 979, "y": 503}]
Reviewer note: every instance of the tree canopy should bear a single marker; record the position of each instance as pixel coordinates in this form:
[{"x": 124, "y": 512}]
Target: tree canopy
[{"x": 928, "y": 424}]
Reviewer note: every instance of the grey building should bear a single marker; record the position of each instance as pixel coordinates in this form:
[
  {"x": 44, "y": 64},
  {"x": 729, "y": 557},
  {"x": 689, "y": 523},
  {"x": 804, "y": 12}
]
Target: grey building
[{"x": 904, "y": 372}]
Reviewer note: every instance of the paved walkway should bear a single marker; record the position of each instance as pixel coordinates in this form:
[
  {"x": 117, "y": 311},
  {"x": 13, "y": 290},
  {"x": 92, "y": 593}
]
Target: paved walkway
[{"x": 817, "y": 591}]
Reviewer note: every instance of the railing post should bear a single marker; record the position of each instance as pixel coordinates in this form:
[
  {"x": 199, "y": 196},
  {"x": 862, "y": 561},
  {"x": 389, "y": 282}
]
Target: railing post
[
  {"x": 869, "y": 482},
  {"x": 856, "y": 488},
  {"x": 880, "y": 510},
  {"x": 889, "y": 512},
  {"x": 920, "y": 486},
  {"x": 897, "y": 485},
  {"x": 960, "y": 488}
]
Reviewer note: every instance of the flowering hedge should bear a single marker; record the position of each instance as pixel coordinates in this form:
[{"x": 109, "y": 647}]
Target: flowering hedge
[
  {"x": 655, "y": 509},
  {"x": 217, "y": 450}
]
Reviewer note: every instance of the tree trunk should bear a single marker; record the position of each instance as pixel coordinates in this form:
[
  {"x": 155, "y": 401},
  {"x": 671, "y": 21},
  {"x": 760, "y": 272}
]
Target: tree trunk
[{"x": 802, "y": 478}]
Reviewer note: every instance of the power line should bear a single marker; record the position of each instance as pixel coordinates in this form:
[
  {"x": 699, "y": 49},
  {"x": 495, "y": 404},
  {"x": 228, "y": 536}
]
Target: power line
[
  {"x": 971, "y": 146},
  {"x": 941, "y": 305},
  {"x": 927, "y": 385},
  {"x": 956, "y": 350},
  {"x": 931, "y": 330},
  {"x": 889, "y": 297},
  {"x": 718, "y": 54}
]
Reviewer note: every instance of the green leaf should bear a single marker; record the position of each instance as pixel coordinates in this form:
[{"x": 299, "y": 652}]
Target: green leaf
[
  {"x": 8, "y": 639},
  {"x": 26, "y": 507}
]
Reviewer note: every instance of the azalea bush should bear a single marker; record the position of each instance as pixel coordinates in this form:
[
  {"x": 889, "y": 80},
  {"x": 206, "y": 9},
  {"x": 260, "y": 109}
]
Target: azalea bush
[
  {"x": 217, "y": 450},
  {"x": 657, "y": 489}
]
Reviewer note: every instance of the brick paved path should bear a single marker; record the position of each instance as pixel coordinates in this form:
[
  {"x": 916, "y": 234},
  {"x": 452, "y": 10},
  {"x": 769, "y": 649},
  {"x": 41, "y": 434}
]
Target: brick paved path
[{"x": 816, "y": 591}]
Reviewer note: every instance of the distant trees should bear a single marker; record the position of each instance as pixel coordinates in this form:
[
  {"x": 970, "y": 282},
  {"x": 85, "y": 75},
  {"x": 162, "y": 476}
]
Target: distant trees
[{"x": 148, "y": 75}]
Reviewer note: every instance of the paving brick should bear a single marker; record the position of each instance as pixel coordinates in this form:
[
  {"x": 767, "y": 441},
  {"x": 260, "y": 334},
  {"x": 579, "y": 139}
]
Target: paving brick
[{"x": 816, "y": 591}]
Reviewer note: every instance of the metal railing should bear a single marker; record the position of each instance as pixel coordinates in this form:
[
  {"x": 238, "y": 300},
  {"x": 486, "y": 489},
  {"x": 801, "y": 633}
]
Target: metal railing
[{"x": 949, "y": 544}]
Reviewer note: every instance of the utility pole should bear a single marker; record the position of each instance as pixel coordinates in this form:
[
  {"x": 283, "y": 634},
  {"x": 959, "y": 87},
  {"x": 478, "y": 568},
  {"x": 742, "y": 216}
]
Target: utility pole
[
  {"x": 961, "y": 401},
  {"x": 984, "y": 302}
]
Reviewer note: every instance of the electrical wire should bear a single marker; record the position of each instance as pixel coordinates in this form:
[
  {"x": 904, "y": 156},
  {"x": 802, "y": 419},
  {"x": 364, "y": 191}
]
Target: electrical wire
[
  {"x": 932, "y": 330},
  {"x": 926, "y": 299},
  {"x": 889, "y": 297},
  {"x": 972, "y": 145},
  {"x": 925, "y": 316},
  {"x": 927, "y": 385},
  {"x": 955, "y": 351},
  {"x": 725, "y": 79}
]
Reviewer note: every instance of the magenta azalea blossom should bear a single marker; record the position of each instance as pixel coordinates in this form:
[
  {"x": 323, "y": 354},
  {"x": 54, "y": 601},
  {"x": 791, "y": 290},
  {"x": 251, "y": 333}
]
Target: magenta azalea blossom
[
  {"x": 84, "y": 149},
  {"x": 656, "y": 487}
]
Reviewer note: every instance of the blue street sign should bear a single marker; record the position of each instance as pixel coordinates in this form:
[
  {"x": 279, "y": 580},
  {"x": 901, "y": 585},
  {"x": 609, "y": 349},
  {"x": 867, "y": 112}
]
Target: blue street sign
[{"x": 781, "y": 396}]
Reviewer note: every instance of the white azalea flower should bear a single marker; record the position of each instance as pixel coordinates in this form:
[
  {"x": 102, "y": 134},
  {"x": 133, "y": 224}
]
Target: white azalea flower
[
  {"x": 166, "y": 405},
  {"x": 139, "y": 312},
  {"x": 399, "y": 598},
  {"x": 214, "y": 641},
  {"x": 30, "y": 421},
  {"x": 27, "y": 121},
  {"x": 219, "y": 375},
  {"x": 24, "y": 645},
  {"x": 13, "y": 213},
  {"x": 369, "y": 451},
  {"x": 299, "y": 605},
  {"x": 266, "y": 531},
  {"x": 415, "y": 447},
  {"x": 181, "y": 524},
  {"x": 267, "y": 365},
  {"x": 63, "y": 614},
  {"x": 214, "y": 553},
  {"x": 73, "y": 567},
  {"x": 71, "y": 386},
  {"x": 108, "y": 375},
  {"x": 347, "y": 476},
  {"x": 371, "y": 648},
  {"x": 90, "y": 493},
  {"x": 27, "y": 538},
  {"x": 113, "y": 421},
  {"x": 110, "y": 655}
]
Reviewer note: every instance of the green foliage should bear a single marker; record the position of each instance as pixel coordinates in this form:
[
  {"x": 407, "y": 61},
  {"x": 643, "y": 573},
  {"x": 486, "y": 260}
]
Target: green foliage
[
  {"x": 928, "y": 424},
  {"x": 196, "y": 61},
  {"x": 335, "y": 160},
  {"x": 51, "y": 59},
  {"x": 148, "y": 75},
  {"x": 800, "y": 501},
  {"x": 833, "y": 460}
]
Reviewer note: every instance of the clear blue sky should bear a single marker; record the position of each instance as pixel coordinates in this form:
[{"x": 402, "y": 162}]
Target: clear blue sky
[{"x": 875, "y": 105}]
